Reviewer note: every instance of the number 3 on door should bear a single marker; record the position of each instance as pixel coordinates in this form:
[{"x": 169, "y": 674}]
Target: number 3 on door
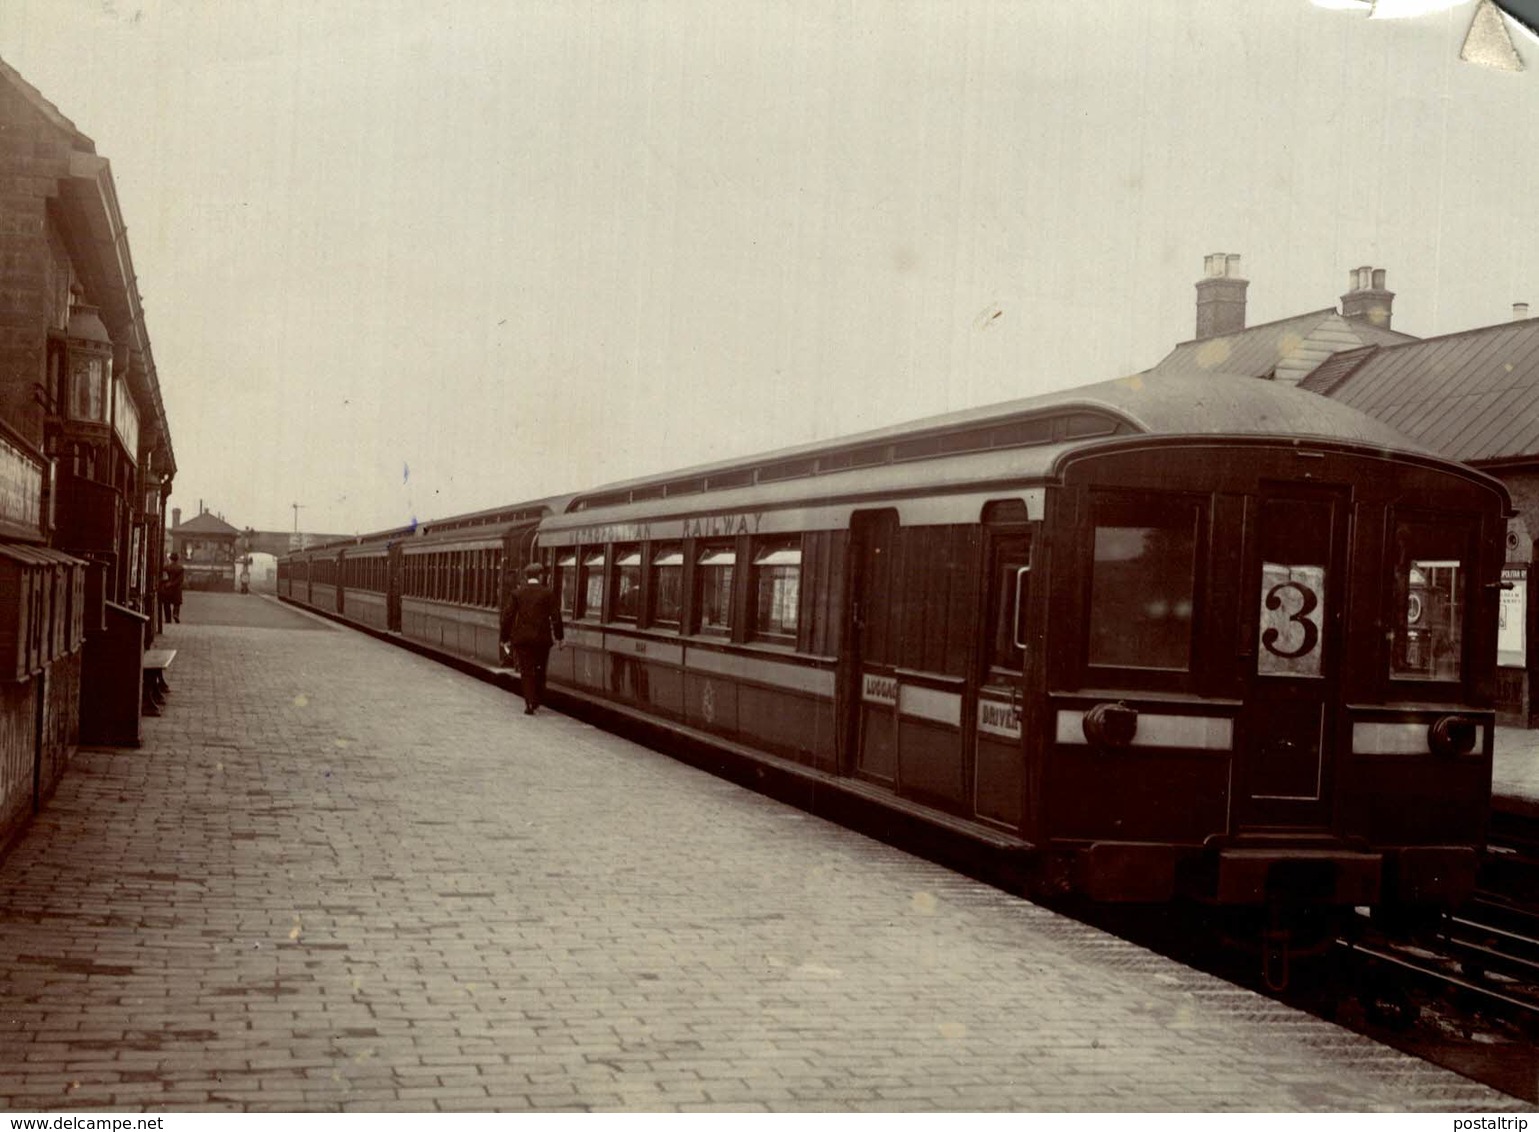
[{"x": 1292, "y": 615}]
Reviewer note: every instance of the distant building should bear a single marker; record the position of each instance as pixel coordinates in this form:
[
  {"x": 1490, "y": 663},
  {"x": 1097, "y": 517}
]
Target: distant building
[
  {"x": 1288, "y": 350},
  {"x": 209, "y": 548},
  {"x": 85, "y": 455}
]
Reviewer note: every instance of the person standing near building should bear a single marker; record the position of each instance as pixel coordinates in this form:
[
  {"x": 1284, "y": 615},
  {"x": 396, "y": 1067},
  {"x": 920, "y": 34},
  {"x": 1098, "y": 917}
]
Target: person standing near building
[
  {"x": 171, "y": 590},
  {"x": 532, "y": 625}
]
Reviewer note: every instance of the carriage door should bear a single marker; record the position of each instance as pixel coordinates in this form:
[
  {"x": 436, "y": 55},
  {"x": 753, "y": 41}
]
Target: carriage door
[
  {"x": 395, "y": 576},
  {"x": 1296, "y": 595},
  {"x": 871, "y": 675},
  {"x": 1000, "y": 775}
]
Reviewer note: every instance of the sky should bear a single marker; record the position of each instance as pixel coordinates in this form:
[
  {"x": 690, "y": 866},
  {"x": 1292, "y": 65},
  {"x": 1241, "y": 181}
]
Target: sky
[{"x": 402, "y": 260}]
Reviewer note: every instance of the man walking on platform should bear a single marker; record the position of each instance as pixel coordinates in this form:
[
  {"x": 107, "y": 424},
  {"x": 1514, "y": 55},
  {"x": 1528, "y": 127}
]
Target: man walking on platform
[
  {"x": 171, "y": 591},
  {"x": 532, "y": 624}
]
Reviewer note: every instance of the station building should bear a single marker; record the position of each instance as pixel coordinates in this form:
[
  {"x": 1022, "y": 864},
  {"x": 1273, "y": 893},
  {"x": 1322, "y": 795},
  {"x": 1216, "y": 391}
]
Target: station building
[
  {"x": 86, "y": 463},
  {"x": 1289, "y": 349},
  {"x": 209, "y": 548},
  {"x": 1472, "y": 396}
]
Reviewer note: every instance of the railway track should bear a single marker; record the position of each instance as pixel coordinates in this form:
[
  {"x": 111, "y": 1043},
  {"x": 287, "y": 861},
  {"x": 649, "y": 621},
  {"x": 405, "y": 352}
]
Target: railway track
[
  {"x": 1463, "y": 994},
  {"x": 1510, "y": 872},
  {"x": 1469, "y": 968},
  {"x": 1484, "y": 958}
]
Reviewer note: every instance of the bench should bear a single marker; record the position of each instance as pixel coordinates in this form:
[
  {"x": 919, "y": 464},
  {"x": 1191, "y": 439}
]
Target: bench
[{"x": 155, "y": 663}]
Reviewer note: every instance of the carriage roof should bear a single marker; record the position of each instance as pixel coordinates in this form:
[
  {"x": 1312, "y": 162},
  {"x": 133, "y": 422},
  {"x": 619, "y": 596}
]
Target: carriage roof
[{"x": 1018, "y": 438}]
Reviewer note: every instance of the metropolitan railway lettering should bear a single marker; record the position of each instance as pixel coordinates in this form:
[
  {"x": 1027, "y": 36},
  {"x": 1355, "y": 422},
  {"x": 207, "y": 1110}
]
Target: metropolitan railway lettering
[
  {"x": 608, "y": 532},
  {"x": 706, "y": 526},
  {"x": 720, "y": 526}
]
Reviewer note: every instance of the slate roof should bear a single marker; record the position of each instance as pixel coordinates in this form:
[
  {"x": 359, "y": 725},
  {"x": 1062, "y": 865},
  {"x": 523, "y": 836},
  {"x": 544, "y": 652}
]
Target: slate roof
[
  {"x": 205, "y": 524},
  {"x": 1288, "y": 349},
  {"x": 46, "y": 108},
  {"x": 1473, "y": 396}
]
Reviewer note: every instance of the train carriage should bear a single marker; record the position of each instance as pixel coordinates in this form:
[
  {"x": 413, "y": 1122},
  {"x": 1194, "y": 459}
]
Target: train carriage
[
  {"x": 442, "y": 584},
  {"x": 1168, "y": 636},
  {"x": 1162, "y": 631}
]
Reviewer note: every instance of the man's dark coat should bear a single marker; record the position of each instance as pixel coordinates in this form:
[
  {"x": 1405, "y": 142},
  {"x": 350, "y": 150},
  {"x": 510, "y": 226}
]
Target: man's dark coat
[{"x": 534, "y": 618}]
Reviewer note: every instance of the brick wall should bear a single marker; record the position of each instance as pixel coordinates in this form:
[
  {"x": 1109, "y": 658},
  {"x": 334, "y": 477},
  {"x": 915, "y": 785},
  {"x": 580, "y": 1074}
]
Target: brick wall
[
  {"x": 34, "y": 156},
  {"x": 61, "y": 722},
  {"x": 18, "y": 751},
  {"x": 35, "y": 278}
]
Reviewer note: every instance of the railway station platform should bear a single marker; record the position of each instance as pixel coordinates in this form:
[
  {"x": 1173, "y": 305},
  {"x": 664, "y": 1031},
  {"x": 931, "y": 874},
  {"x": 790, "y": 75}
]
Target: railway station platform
[
  {"x": 1515, "y": 771},
  {"x": 338, "y": 875}
]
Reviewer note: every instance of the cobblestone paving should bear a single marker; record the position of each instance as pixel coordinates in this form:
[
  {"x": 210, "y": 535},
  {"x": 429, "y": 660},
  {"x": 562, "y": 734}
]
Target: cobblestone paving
[{"x": 338, "y": 875}]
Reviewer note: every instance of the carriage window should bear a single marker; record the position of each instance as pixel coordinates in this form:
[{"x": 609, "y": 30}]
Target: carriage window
[
  {"x": 715, "y": 589},
  {"x": 777, "y": 570},
  {"x": 1429, "y": 594},
  {"x": 1010, "y": 577},
  {"x": 627, "y": 593},
  {"x": 566, "y": 583},
  {"x": 593, "y": 584},
  {"x": 668, "y": 585},
  {"x": 1141, "y": 588}
]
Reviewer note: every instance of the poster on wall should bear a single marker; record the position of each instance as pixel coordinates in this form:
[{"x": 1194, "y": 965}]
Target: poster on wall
[
  {"x": 1511, "y": 642},
  {"x": 136, "y": 556}
]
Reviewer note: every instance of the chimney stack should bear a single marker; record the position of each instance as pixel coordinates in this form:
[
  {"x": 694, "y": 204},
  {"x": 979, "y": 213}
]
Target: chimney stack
[
  {"x": 1220, "y": 296},
  {"x": 176, "y": 517},
  {"x": 1519, "y": 312},
  {"x": 1366, "y": 299}
]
